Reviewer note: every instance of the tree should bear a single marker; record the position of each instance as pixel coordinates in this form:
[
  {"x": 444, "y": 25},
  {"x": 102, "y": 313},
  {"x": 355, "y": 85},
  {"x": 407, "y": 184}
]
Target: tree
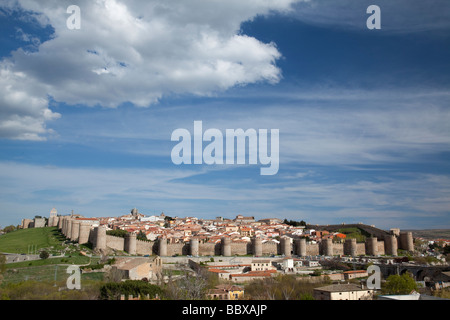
[
  {"x": 167, "y": 220},
  {"x": 317, "y": 273},
  {"x": 117, "y": 233},
  {"x": 113, "y": 290},
  {"x": 44, "y": 255},
  {"x": 2, "y": 266},
  {"x": 141, "y": 236},
  {"x": 335, "y": 264},
  {"x": 400, "y": 284},
  {"x": 283, "y": 287},
  {"x": 294, "y": 223},
  {"x": 8, "y": 229},
  {"x": 188, "y": 287}
]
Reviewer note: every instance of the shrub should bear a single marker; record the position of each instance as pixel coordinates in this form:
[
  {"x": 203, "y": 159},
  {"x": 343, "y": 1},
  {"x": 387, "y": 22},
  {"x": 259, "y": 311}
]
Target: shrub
[
  {"x": 396, "y": 284},
  {"x": 113, "y": 290}
]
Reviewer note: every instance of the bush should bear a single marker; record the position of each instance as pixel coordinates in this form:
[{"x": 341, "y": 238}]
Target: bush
[
  {"x": 117, "y": 233},
  {"x": 316, "y": 273},
  {"x": 44, "y": 255},
  {"x": 282, "y": 287},
  {"x": 396, "y": 284},
  {"x": 113, "y": 290}
]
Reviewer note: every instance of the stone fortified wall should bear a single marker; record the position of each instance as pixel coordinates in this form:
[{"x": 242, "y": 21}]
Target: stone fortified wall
[{"x": 97, "y": 236}]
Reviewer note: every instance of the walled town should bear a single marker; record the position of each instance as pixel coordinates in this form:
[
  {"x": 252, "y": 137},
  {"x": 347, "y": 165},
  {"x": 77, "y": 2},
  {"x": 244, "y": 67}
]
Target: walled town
[{"x": 243, "y": 249}]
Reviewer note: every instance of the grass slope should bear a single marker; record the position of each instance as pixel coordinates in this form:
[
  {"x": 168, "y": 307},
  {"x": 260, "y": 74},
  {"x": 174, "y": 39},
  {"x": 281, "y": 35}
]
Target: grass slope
[
  {"x": 21, "y": 241},
  {"x": 355, "y": 233}
]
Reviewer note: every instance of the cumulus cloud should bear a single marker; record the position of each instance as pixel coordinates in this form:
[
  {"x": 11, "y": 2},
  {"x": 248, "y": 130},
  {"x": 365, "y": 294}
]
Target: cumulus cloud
[
  {"x": 133, "y": 51},
  {"x": 23, "y": 109}
]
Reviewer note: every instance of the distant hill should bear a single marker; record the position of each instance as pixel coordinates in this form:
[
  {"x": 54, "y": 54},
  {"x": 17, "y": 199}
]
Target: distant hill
[{"x": 431, "y": 234}]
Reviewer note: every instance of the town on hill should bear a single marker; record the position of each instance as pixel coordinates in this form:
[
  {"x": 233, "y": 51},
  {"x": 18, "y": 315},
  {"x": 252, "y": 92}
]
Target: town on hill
[{"x": 243, "y": 252}]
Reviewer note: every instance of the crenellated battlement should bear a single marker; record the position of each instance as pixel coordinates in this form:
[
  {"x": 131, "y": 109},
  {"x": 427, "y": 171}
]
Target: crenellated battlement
[{"x": 388, "y": 245}]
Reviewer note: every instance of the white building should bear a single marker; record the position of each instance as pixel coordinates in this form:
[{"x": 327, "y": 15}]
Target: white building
[
  {"x": 343, "y": 292},
  {"x": 153, "y": 219},
  {"x": 262, "y": 265},
  {"x": 311, "y": 263}
]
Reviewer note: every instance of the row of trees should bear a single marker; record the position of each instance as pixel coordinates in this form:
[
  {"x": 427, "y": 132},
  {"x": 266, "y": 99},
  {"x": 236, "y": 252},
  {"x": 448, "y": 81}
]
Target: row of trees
[
  {"x": 282, "y": 287},
  {"x": 294, "y": 223},
  {"x": 9, "y": 229},
  {"x": 113, "y": 290},
  {"x": 122, "y": 233}
]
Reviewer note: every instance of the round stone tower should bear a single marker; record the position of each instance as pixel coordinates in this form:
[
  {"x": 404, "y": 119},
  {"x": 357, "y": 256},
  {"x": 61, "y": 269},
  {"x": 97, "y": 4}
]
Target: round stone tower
[
  {"x": 162, "y": 247},
  {"x": 301, "y": 247},
  {"x": 327, "y": 247},
  {"x": 406, "y": 241},
  {"x": 372, "y": 246},
  {"x": 51, "y": 221},
  {"x": 56, "y": 221},
  {"x": 75, "y": 230},
  {"x": 350, "y": 247},
  {"x": 69, "y": 229},
  {"x": 83, "y": 234},
  {"x": 60, "y": 222},
  {"x": 130, "y": 243},
  {"x": 257, "y": 247},
  {"x": 226, "y": 247},
  {"x": 194, "y": 244},
  {"x": 100, "y": 238},
  {"x": 390, "y": 244},
  {"x": 285, "y": 246},
  {"x": 64, "y": 226}
]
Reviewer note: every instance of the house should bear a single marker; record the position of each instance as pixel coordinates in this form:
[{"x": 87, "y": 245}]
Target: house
[
  {"x": 221, "y": 274},
  {"x": 91, "y": 221},
  {"x": 261, "y": 265},
  {"x": 311, "y": 263},
  {"x": 335, "y": 276},
  {"x": 343, "y": 292},
  {"x": 246, "y": 231},
  {"x": 271, "y": 221},
  {"x": 441, "y": 280},
  {"x": 287, "y": 263},
  {"x": 320, "y": 234},
  {"x": 226, "y": 292},
  {"x": 353, "y": 274},
  {"x": 139, "y": 268},
  {"x": 241, "y": 219},
  {"x": 252, "y": 275}
]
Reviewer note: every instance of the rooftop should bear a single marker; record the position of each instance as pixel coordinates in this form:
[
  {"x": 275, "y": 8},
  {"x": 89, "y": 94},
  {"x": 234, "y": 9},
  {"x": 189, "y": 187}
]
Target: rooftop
[
  {"x": 341, "y": 288},
  {"x": 131, "y": 263}
]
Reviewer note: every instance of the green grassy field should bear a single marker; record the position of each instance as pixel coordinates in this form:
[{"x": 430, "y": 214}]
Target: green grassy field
[
  {"x": 50, "y": 269},
  {"x": 354, "y": 233},
  {"x": 55, "y": 273},
  {"x": 22, "y": 241}
]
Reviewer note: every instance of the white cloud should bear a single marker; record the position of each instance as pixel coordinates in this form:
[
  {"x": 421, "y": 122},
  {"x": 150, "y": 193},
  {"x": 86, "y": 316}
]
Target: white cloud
[
  {"x": 139, "y": 51},
  {"x": 385, "y": 201},
  {"x": 24, "y": 110}
]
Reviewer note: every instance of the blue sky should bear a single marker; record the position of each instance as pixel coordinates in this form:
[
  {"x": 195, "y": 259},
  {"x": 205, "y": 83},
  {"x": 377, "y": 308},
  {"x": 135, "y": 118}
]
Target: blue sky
[{"x": 87, "y": 115}]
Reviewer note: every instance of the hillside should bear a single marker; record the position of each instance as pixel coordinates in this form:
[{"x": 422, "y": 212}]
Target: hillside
[
  {"x": 355, "y": 233},
  {"x": 431, "y": 233},
  {"x": 21, "y": 241}
]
